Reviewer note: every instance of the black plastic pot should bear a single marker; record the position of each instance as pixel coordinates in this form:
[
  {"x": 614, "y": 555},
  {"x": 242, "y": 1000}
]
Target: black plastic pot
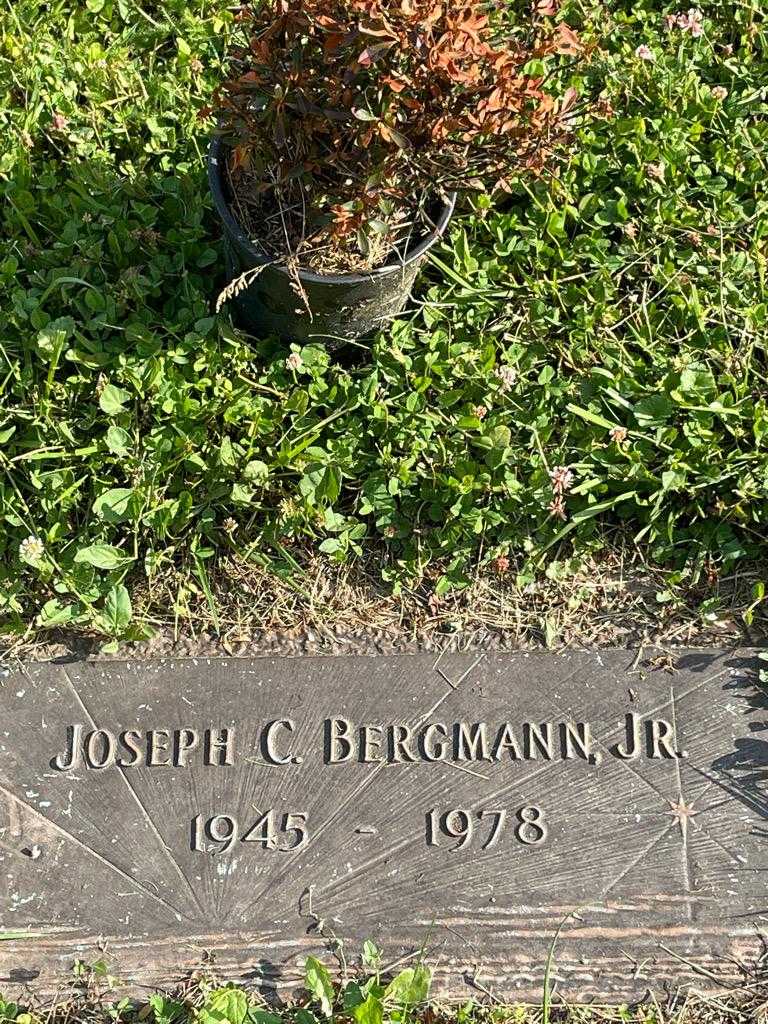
[{"x": 342, "y": 306}]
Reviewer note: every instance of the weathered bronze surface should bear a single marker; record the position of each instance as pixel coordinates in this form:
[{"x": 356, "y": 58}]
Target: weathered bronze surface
[{"x": 152, "y": 812}]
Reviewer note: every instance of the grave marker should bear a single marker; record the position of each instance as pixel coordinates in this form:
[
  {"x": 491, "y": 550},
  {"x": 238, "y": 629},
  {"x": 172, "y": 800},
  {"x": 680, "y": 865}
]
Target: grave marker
[{"x": 469, "y": 804}]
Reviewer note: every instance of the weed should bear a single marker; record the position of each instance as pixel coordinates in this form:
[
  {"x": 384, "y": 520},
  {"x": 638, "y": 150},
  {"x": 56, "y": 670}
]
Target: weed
[{"x": 608, "y": 320}]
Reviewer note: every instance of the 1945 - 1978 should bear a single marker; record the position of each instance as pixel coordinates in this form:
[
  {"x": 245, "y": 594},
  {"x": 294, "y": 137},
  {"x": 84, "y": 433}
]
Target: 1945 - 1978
[{"x": 286, "y": 831}]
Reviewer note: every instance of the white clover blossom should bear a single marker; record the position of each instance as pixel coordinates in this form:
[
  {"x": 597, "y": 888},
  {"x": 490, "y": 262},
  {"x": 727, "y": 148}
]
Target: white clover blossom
[
  {"x": 294, "y": 361},
  {"x": 561, "y": 478},
  {"x": 32, "y": 550},
  {"x": 506, "y": 375},
  {"x": 719, "y": 92},
  {"x": 644, "y": 52}
]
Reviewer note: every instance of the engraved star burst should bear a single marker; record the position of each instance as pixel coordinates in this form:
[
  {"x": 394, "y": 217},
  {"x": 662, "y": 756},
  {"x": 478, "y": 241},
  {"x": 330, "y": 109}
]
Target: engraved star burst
[{"x": 682, "y": 811}]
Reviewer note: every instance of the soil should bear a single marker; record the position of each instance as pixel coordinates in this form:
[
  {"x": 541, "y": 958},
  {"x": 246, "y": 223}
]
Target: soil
[
  {"x": 279, "y": 222},
  {"x": 324, "y": 608}
]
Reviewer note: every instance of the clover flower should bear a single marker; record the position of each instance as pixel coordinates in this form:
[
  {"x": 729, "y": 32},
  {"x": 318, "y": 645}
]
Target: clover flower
[
  {"x": 692, "y": 22},
  {"x": 506, "y": 375},
  {"x": 645, "y": 52},
  {"x": 618, "y": 434},
  {"x": 687, "y": 22},
  {"x": 294, "y": 361},
  {"x": 556, "y": 507},
  {"x": 32, "y": 550},
  {"x": 561, "y": 478},
  {"x": 719, "y": 92}
]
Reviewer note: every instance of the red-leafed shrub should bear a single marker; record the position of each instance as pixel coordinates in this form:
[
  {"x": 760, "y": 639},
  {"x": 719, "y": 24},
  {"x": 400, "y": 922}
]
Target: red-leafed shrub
[{"x": 345, "y": 117}]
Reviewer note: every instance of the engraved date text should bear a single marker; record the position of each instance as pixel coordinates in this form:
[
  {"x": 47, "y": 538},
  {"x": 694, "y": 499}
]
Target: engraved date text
[{"x": 271, "y": 830}]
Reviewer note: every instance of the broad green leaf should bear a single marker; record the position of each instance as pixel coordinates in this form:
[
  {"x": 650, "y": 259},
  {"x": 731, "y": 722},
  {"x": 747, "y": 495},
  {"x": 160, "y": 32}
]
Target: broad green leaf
[
  {"x": 117, "y": 609},
  {"x": 653, "y": 410},
  {"x": 370, "y": 1011},
  {"x": 51, "y": 338},
  {"x": 353, "y": 995},
  {"x": 322, "y": 483},
  {"x": 226, "y": 453},
  {"x": 114, "y": 505},
  {"x": 118, "y": 440},
  {"x": 319, "y": 985},
  {"x": 226, "y": 1006},
  {"x": 256, "y": 1016},
  {"x": 165, "y": 1010},
  {"x": 112, "y": 400},
  {"x": 54, "y": 613},
  {"x": 241, "y": 495},
  {"x": 103, "y": 556},
  {"x": 410, "y": 986},
  {"x": 330, "y": 486},
  {"x": 371, "y": 954}
]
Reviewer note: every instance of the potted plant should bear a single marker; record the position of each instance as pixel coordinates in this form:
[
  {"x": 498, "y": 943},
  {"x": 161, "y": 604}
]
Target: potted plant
[{"x": 346, "y": 130}]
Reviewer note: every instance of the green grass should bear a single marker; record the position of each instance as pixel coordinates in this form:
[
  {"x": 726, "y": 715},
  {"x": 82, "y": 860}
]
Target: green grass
[{"x": 140, "y": 434}]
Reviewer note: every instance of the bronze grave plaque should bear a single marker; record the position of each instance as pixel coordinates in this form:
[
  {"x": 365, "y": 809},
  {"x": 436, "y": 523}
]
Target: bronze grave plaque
[{"x": 255, "y": 809}]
